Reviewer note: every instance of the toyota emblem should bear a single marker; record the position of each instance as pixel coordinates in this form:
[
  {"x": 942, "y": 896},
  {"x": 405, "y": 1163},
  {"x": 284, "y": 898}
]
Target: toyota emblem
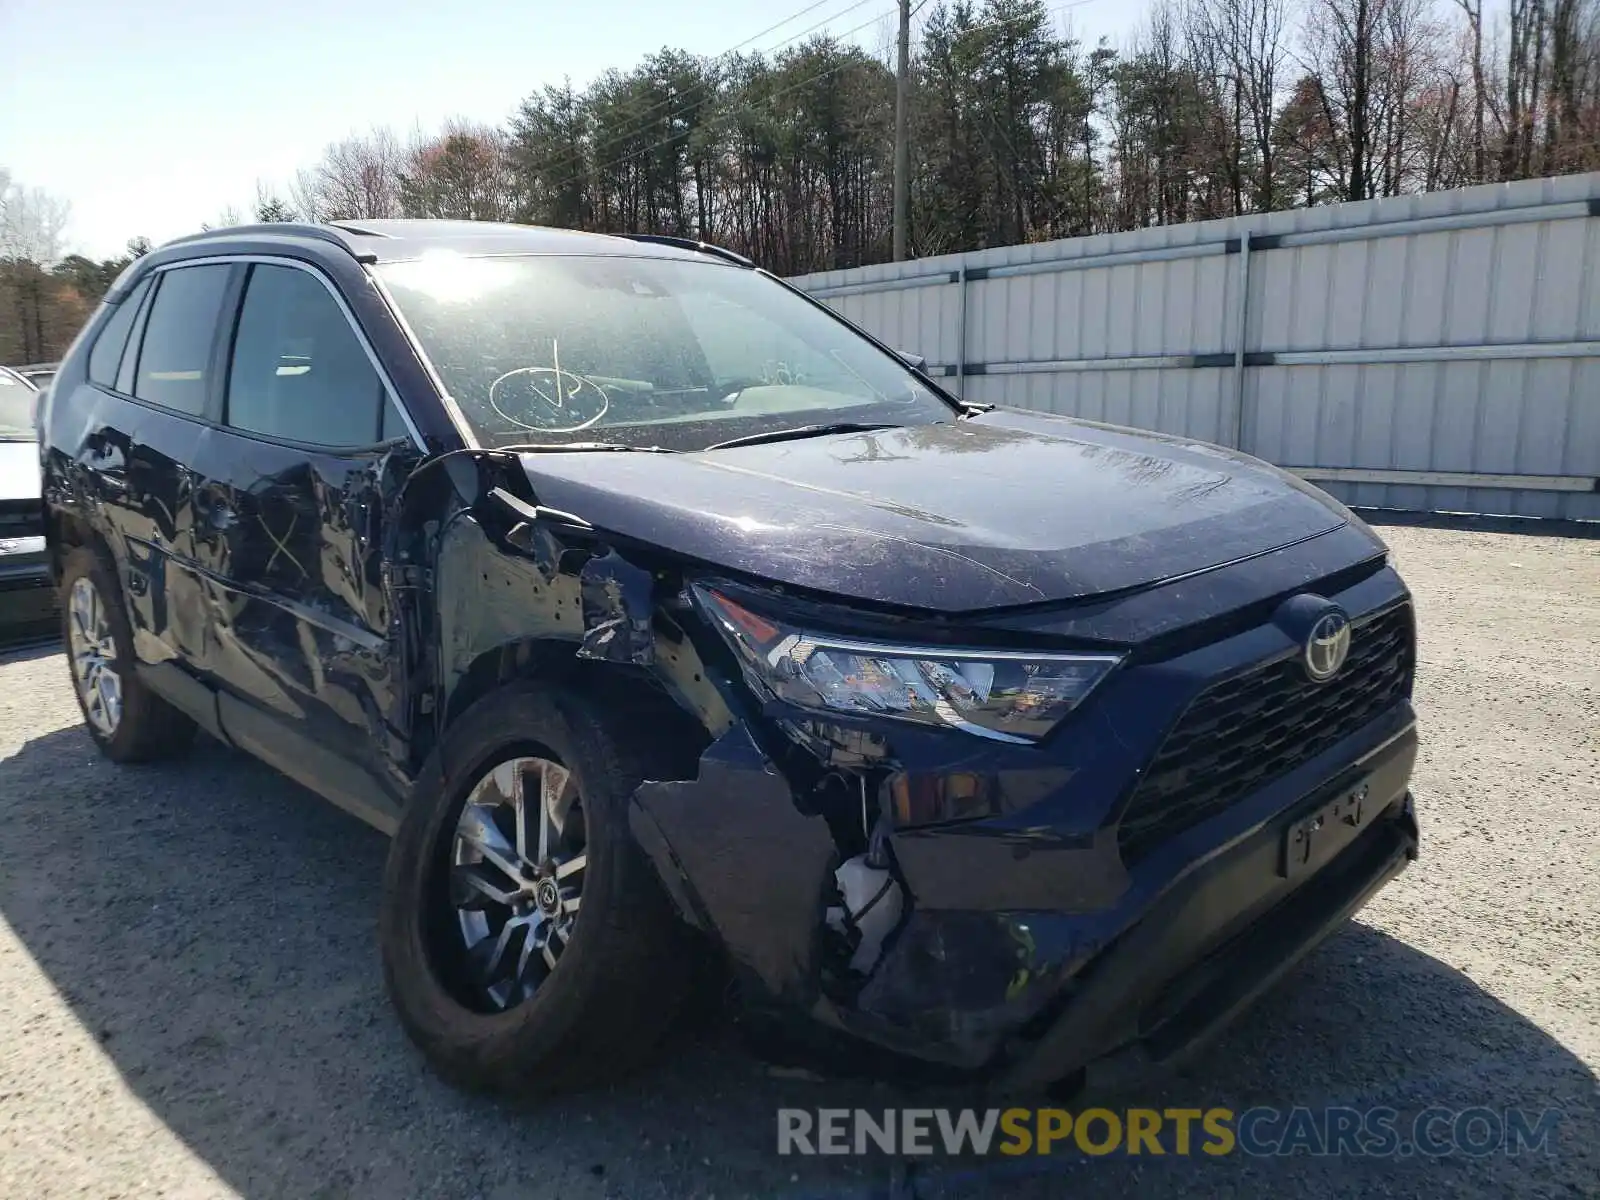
[{"x": 1327, "y": 646}]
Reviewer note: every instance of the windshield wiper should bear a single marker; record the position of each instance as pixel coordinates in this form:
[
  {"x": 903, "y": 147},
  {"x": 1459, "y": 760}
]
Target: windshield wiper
[
  {"x": 803, "y": 431},
  {"x": 562, "y": 447}
]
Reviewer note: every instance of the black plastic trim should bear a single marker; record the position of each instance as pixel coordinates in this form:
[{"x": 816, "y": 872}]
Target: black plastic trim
[
  {"x": 290, "y": 229},
  {"x": 662, "y": 239}
]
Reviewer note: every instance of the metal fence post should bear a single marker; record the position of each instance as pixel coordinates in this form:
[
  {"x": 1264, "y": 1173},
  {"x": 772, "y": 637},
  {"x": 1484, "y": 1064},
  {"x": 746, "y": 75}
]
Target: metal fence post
[
  {"x": 961, "y": 332},
  {"x": 1241, "y": 317}
]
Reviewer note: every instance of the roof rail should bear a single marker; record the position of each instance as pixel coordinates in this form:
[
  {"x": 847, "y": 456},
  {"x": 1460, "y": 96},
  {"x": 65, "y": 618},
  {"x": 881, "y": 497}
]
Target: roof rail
[
  {"x": 321, "y": 233},
  {"x": 357, "y": 228},
  {"x": 662, "y": 239}
]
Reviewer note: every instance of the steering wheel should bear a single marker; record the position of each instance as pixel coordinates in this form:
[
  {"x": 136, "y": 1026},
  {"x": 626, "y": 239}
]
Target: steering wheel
[{"x": 551, "y": 401}]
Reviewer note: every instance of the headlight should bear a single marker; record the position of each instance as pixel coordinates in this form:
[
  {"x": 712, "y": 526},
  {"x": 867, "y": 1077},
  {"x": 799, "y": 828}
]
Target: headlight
[{"x": 1007, "y": 696}]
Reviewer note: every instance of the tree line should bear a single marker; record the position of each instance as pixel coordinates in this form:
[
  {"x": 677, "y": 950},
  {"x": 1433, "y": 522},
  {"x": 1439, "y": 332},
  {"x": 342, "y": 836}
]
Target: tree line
[
  {"x": 1018, "y": 132},
  {"x": 45, "y": 293}
]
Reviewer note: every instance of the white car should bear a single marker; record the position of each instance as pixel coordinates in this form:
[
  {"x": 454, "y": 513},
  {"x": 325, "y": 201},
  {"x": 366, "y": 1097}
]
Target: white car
[{"x": 26, "y": 595}]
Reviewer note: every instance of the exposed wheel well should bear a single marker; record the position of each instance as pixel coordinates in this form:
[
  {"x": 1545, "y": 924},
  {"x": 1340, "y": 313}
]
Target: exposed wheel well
[
  {"x": 69, "y": 532},
  {"x": 635, "y": 702}
]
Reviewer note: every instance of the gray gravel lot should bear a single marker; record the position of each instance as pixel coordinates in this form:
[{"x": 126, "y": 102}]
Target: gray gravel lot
[{"x": 191, "y": 1006}]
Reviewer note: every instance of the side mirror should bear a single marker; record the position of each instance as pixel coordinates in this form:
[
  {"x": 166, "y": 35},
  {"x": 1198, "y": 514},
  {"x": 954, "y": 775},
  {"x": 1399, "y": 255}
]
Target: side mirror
[{"x": 915, "y": 361}]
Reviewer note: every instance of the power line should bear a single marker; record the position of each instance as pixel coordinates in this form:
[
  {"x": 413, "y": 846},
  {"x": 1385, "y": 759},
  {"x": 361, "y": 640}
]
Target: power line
[
  {"x": 770, "y": 28},
  {"x": 599, "y": 167},
  {"x": 645, "y": 119},
  {"x": 833, "y": 70}
]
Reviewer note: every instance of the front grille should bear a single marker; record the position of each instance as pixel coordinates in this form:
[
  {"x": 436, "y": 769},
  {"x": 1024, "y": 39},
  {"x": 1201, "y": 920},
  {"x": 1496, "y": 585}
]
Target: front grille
[
  {"x": 1242, "y": 733},
  {"x": 21, "y": 518}
]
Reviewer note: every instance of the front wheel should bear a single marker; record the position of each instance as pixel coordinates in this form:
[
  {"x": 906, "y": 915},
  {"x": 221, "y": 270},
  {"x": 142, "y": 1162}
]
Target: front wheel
[{"x": 527, "y": 945}]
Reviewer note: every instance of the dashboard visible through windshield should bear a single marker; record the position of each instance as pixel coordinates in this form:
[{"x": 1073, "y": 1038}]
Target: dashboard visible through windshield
[{"x": 642, "y": 351}]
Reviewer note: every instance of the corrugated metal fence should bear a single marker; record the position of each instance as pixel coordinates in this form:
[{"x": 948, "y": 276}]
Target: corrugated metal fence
[{"x": 1436, "y": 353}]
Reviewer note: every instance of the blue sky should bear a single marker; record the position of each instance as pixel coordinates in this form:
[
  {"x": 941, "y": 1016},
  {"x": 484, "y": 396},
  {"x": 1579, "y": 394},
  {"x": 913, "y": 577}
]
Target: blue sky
[{"x": 152, "y": 116}]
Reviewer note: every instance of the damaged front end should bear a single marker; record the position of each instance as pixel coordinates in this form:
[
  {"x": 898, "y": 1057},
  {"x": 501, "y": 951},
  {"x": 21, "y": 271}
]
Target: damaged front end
[
  {"x": 861, "y": 868},
  {"x": 907, "y": 840},
  {"x": 903, "y": 833},
  {"x": 788, "y": 835}
]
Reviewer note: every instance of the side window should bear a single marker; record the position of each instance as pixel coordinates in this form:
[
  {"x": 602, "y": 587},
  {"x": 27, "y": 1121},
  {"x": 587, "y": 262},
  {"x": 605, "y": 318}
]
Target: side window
[
  {"x": 299, "y": 371},
  {"x": 176, "y": 353},
  {"x": 130, "y": 357},
  {"x": 108, "y": 347}
]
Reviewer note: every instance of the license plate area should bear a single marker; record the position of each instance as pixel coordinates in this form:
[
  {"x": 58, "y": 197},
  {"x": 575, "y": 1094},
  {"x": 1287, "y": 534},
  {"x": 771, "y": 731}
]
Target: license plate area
[{"x": 1313, "y": 839}]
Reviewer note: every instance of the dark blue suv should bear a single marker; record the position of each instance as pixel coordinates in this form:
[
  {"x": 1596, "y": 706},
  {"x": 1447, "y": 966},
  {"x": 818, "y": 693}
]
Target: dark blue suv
[{"x": 666, "y": 619}]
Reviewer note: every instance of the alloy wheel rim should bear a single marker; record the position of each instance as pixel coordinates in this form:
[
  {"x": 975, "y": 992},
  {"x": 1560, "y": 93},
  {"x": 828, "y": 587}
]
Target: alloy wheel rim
[
  {"x": 517, "y": 865},
  {"x": 94, "y": 658}
]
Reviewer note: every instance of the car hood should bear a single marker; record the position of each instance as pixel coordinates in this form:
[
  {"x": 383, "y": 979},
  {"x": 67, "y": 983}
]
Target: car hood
[
  {"x": 19, "y": 470},
  {"x": 1009, "y": 508}
]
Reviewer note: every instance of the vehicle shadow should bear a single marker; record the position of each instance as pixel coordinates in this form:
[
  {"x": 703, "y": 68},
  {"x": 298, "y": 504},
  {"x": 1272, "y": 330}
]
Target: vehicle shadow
[
  {"x": 211, "y": 926},
  {"x": 22, "y": 643},
  {"x": 1473, "y": 523}
]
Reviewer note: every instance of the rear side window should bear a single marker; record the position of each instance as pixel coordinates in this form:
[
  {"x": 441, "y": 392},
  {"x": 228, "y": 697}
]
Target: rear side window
[
  {"x": 176, "y": 353},
  {"x": 108, "y": 347},
  {"x": 299, "y": 371}
]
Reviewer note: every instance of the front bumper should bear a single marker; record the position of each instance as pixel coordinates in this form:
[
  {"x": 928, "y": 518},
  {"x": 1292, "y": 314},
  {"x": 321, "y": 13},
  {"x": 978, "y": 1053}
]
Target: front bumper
[
  {"x": 27, "y": 593},
  {"x": 1213, "y": 944},
  {"x": 1027, "y": 996},
  {"x": 1043, "y": 937}
]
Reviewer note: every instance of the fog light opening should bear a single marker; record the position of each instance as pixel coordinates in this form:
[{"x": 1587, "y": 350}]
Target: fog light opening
[{"x": 917, "y": 798}]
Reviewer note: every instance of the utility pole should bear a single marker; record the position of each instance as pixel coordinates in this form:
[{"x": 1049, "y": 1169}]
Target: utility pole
[{"x": 902, "y": 147}]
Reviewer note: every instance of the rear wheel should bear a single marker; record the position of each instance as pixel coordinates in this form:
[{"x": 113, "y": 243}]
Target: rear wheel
[
  {"x": 527, "y": 944},
  {"x": 128, "y": 721}
]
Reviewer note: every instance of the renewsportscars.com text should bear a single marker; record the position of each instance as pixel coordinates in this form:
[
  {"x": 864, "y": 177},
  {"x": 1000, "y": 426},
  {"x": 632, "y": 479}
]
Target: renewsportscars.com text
[{"x": 1371, "y": 1132}]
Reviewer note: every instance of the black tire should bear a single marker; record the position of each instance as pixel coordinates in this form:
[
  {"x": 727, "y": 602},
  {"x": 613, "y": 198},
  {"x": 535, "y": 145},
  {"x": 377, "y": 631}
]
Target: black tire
[
  {"x": 149, "y": 729},
  {"x": 614, "y": 994}
]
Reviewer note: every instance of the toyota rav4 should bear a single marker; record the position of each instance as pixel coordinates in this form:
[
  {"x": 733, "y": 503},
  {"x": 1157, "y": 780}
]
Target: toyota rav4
[{"x": 664, "y": 617}]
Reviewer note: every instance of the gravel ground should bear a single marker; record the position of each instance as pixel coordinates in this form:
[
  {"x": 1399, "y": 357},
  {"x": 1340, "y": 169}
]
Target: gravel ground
[{"x": 190, "y": 1001}]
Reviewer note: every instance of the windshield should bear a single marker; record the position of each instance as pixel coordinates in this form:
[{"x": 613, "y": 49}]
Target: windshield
[
  {"x": 18, "y": 405},
  {"x": 642, "y": 351}
]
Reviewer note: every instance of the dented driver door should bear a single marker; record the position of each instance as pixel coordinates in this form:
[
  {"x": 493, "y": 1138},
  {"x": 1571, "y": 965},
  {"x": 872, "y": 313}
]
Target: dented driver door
[{"x": 291, "y": 504}]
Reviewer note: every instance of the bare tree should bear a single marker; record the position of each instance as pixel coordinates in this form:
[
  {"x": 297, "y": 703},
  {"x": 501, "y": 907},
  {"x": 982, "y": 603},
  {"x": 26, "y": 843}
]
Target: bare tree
[
  {"x": 1524, "y": 82},
  {"x": 1480, "y": 92},
  {"x": 358, "y": 177},
  {"x": 464, "y": 173},
  {"x": 227, "y": 218},
  {"x": 1572, "y": 113},
  {"x": 1339, "y": 37},
  {"x": 33, "y": 223},
  {"x": 1249, "y": 38}
]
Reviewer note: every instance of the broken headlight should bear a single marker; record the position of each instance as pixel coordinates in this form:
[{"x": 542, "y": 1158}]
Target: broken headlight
[{"x": 1000, "y": 694}]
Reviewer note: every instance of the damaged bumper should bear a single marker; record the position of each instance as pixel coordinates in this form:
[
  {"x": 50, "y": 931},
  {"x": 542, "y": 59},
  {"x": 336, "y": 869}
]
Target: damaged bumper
[
  {"x": 1029, "y": 995},
  {"x": 1210, "y": 947},
  {"x": 1068, "y": 922}
]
